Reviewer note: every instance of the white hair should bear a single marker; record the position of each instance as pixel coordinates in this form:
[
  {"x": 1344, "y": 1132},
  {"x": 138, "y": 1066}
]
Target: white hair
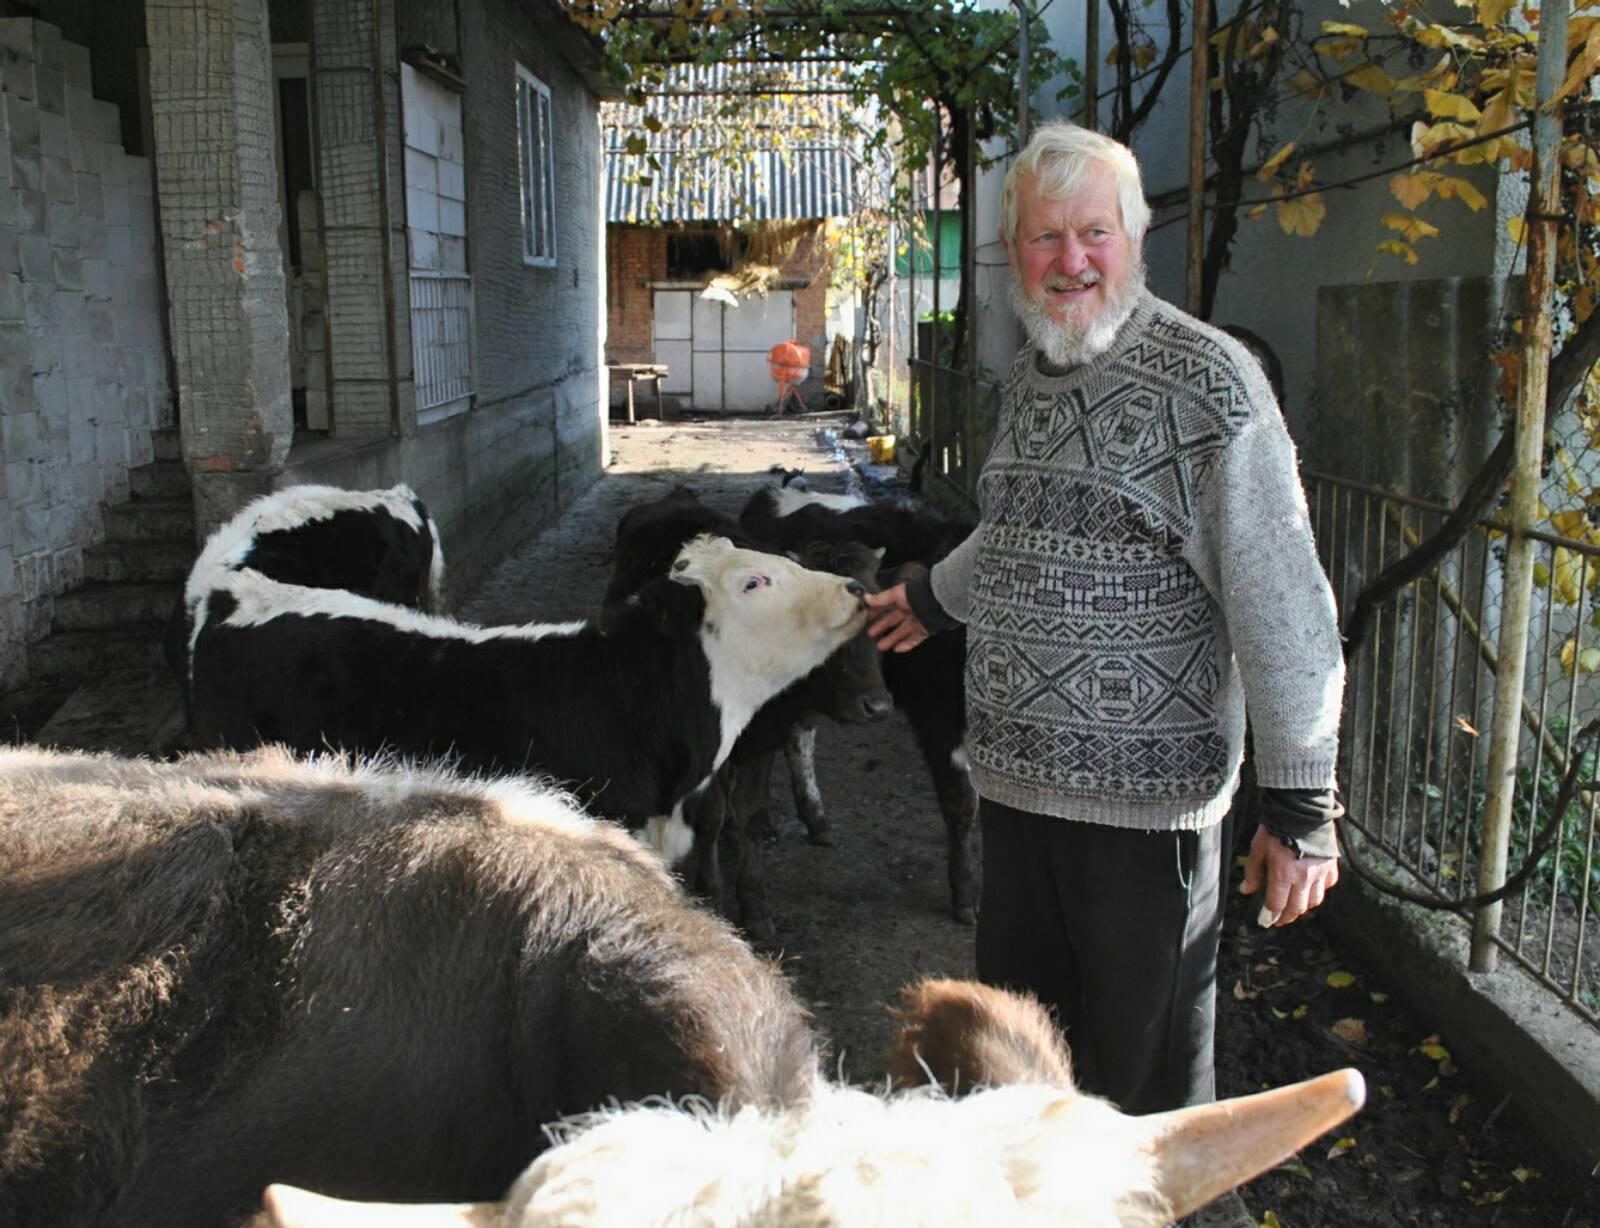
[{"x": 1057, "y": 158}]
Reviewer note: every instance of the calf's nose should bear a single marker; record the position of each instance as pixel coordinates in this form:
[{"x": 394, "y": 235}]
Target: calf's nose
[{"x": 876, "y": 707}]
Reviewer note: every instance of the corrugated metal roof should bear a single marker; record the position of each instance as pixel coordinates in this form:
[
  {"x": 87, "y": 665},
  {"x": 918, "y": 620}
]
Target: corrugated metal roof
[{"x": 812, "y": 178}]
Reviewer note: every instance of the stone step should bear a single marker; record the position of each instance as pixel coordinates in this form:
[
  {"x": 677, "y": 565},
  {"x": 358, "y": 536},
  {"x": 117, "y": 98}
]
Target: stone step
[
  {"x": 148, "y": 519},
  {"x": 130, "y": 712},
  {"x": 85, "y": 656},
  {"x": 168, "y": 444},
  {"x": 164, "y": 481},
  {"x": 107, "y": 606},
  {"x": 139, "y": 560}
]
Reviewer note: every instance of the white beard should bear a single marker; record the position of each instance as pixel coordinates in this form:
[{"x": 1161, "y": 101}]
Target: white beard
[{"x": 1070, "y": 342}]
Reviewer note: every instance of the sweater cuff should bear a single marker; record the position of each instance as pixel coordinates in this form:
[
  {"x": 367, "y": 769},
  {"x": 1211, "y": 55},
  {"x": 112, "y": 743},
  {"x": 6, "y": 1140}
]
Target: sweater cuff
[
  {"x": 919, "y": 596},
  {"x": 1303, "y": 819}
]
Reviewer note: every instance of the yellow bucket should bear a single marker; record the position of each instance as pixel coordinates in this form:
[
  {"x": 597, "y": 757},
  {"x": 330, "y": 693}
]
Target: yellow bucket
[{"x": 881, "y": 448}]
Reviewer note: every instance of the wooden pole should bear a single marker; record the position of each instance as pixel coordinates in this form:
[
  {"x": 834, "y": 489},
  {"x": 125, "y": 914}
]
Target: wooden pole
[
  {"x": 1544, "y": 204},
  {"x": 1199, "y": 126},
  {"x": 1089, "y": 115}
]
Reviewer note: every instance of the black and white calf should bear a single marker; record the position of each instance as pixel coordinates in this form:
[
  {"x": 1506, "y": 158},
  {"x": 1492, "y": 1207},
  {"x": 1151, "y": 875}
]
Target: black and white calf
[
  {"x": 927, "y": 683},
  {"x": 633, "y": 720},
  {"x": 848, "y": 687},
  {"x": 378, "y": 543},
  {"x": 383, "y": 982}
]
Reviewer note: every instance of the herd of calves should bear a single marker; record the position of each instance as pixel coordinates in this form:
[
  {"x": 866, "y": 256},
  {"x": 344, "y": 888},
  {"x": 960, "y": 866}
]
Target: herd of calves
[{"x": 386, "y": 961}]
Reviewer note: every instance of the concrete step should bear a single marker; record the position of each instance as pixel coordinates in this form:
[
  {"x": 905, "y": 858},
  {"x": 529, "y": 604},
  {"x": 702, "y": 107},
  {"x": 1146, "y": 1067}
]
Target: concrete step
[
  {"x": 168, "y": 444},
  {"x": 139, "y": 560},
  {"x": 164, "y": 481},
  {"x": 148, "y": 519},
  {"x": 131, "y": 712},
  {"x": 84, "y": 656},
  {"x": 101, "y": 606}
]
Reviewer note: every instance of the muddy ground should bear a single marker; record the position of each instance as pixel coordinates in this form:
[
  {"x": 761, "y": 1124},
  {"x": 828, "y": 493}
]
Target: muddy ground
[{"x": 857, "y": 920}]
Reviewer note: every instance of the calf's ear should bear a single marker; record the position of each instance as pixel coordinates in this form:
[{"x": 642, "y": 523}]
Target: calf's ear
[{"x": 675, "y": 608}]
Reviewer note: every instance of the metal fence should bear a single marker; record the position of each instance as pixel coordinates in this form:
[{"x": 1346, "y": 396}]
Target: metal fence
[
  {"x": 950, "y": 419},
  {"x": 1414, "y": 743},
  {"x": 441, "y": 339}
]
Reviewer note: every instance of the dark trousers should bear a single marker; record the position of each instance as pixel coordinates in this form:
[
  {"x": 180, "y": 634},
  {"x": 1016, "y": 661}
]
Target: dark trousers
[{"x": 1117, "y": 932}]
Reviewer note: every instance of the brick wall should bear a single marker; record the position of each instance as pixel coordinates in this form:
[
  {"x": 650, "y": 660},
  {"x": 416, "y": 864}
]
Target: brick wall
[
  {"x": 637, "y": 256},
  {"x": 83, "y": 373}
]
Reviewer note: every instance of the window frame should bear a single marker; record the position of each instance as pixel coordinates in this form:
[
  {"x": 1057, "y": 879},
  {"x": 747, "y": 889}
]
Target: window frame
[{"x": 536, "y": 183}]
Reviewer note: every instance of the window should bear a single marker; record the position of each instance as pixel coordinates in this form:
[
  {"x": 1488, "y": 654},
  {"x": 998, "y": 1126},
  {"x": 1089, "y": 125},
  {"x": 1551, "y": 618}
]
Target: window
[{"x": 536, "y": 162}]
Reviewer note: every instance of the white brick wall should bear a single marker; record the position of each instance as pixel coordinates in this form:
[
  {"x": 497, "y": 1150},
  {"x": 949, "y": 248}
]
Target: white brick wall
[{"x": 82, "y": 365}]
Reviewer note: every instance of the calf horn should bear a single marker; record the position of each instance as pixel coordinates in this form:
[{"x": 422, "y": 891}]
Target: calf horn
[
  {"x": 1205, "y": 1150},
  {"x": 288, "y": 1206}
]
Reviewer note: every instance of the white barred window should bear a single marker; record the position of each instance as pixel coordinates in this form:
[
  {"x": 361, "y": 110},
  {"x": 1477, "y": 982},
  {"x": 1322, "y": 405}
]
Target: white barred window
[{"x": 536, "y": 162}]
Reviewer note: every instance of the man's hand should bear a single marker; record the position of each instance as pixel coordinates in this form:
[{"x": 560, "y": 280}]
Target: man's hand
[
  {"x": 893, "y": 625},
  {"x": 1295, "y": 885}
]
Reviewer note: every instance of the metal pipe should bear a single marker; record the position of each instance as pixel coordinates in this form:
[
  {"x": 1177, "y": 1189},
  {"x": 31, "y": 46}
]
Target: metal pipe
[
  {"x": 1091, "y": 66},
  {"x": 1543, "y": 211},
  {"x": 1199, "y": 127}
]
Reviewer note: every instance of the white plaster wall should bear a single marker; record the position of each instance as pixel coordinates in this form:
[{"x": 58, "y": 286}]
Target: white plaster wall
[{"x": 83, "y": 376}]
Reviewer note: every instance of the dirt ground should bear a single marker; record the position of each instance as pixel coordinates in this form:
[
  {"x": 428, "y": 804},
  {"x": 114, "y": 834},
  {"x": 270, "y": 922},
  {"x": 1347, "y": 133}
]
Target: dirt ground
[{"x": 859, "y": 919}]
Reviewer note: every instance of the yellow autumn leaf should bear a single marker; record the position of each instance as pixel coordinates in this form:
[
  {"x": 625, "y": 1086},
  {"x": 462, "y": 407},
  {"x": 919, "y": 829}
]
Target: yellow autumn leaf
[
  {"x": 1396, "y": 247},
  {"x": 1269, "y": 168},
  {"x": 1564, "y": 576},
  {"x": 1372, "y": 78},
  {"x": 1525, "y": 1175},
  {"x": 1378, "y": 997},
  {"x": 1575, "y": 523},
  {"x": 1437, "y": 136},
  {"x": 1341, "y": 980},
  {"x": 1301, "y": 1011},
  {"x": 1518, "y": 229},
  {"x": 1340, "y": 47},
  {"x": 1413, "y": 228},
  {"x": 1269, "y": 1219},
  {"x": 1584, "y": 66},
  {"x": 1307, "y": 86},
  {"x": 1411, "y": 190},
  {"x": 1268, "y": 37},
  {"x": 1492, "y": 12},
  {"x": 1344, "y": 27},
  {"x": 1435, "y": 1050},
  {"x": 1443, "y": 36},
  {"x": 1303, "y": 215},
  {"x": 1586, "y": 660},
  {"x": 1459, "y": 1103},
  {"x": 1448, "y": 186},
  {"x": 1256, "y": 214},
  {"x": 1297, "y": 1167},
  {"x": 1342, "y": 1146},
  {"x": 1444, "y": 105}
]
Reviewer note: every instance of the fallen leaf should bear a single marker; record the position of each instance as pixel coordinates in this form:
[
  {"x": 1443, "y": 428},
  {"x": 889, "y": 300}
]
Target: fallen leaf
[
  {"x": 1526, "y": 1175},
  {"x": 1301, "y": 1011},
  {"x": 1241, "y": 993},
  {"x": 1339, "y": 1148},
  {"x": 1379, "y": 998},
  {"x": 1280, "y": 1014},
  {"x": 1297, "y": 1168},
  {"x": 1518, "y": 229},
  {"x": 1352, "y": 1030},
  {"x": 1456, "y": 1105},
  {"x": 1269, "y": 1220},
  {"x": 1341, "y": 980}
]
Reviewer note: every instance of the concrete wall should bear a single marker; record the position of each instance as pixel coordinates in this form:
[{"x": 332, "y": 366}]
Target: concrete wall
[
  {"x": 533, "y": 439},
  {"x": 83, "y": 375}
]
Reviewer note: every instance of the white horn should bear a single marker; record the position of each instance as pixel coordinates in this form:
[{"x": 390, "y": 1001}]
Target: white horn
[
  {"x": 290, "y": 1207},
  {"x": 1203, "y": 1151}
]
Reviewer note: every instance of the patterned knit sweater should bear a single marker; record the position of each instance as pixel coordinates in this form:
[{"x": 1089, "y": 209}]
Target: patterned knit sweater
[{"x": 1143, "y": 572}]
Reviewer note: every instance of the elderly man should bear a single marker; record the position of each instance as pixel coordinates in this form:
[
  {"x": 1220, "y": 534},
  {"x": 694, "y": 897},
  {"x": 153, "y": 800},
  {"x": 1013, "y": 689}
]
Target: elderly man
[{"x": 1142, "y": 577}]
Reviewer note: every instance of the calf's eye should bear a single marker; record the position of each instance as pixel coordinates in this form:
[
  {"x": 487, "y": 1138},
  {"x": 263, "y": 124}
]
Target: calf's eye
[{"x": 751, "y": 583}]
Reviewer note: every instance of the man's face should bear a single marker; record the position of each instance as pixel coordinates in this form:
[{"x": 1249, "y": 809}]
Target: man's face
[{"x": 1072, "y": 257}]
